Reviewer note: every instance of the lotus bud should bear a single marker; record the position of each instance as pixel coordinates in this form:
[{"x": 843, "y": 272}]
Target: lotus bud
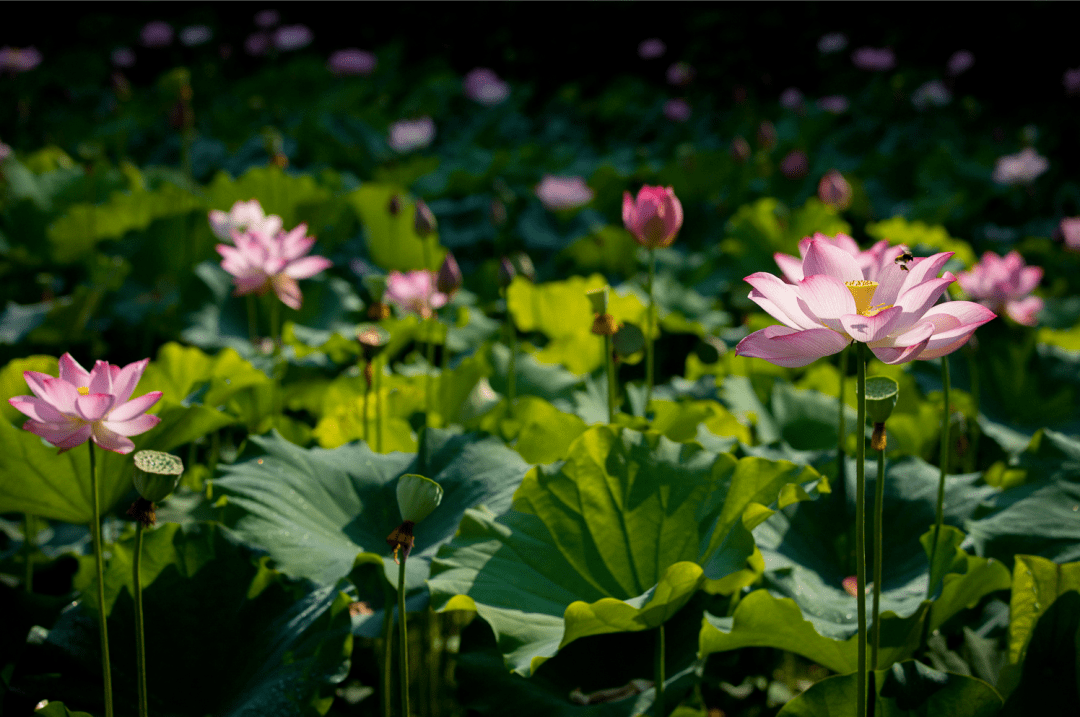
[
  {"x": 766, "y": 135},
  {"x": 740, "y": 150},
  {"x": 523, "y": 265},
  {"x": 449, "y": 278},
  {"x": 834, "y": 190},
  {"x": 498, "y": 212},
  {"x": 881, "y": 395},
  {"x": 795, "y": 164},
  {"x": 424, "y": 221},
  {"x": 373, "y": 339},
  {"x": 507, "y": 272},
  {"x": 654, "y": 217},
  {"x": 394, "y": 207}
]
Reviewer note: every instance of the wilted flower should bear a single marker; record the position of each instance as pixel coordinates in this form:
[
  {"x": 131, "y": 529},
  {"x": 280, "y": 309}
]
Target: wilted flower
[
  {"x": 19, "y": 59},
  {"x": 261, "y": 261},
  {"x": 195, "y": 35},
  {"x": 835, "y": 304},
  {"x": 795, "y": 164},
  {"x": 1070, "y": 232},
  {"x": 81, "y": 405},
  {"x": 831, "y": 43},
  {"x": 414, "y": 292},
  {"x": 960, "y": 62},
  {"x": 874, "y": 59},
  {"x": 677, "y": 110},
  {"x": 835, "y": 104},
  {"x": 930, "y": 93},
  {"x": 834, "y": 190},
  {"x": 243, "y": 217},
  {"x": 870, "y": 261},
  {"x": 1020, "y": 168},
  {"x": 484, "y": 86},
  {"x": 1071, "y": 80},
  {"x": 679, "y": 74},
  {"x": 407, "y": 135},
  {"x": 654, "y": 218},
  {"x": 257, "y": 44},
  {"x": 651, "y": 49},
  {"x": 292, "y": 37},
  {"x": 352, "y": 62},
  {"x": 563, "y": 192},
  {"x": 123, "y": 57},
  {"x": 449, "y": 279},
  {"x": 267, "y": 18},
  {"x": 156, "y": 34},
  {"x": 791, "y": 98},
  {"x": 1004, "y": 284}
]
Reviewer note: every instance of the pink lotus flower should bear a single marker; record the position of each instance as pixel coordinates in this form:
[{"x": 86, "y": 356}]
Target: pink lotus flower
[
  {"x": 677, "y": 110},
  {"x": 415, "y": 292},
  {"x": 1020, "y": 168},
  {"x": 791, "y": 98},
  {"x": 123, "y": 57},
  {"x": 352, "y": 62},
  {"x": 960, "y": 62},
  {"x": 5, "y": 151},
  {"x": 680, "y": 74},
  {"x": 407, "y": 135},
  {"x": 874, "y": 59},
  {"x": 484, "y": 86},
  {"x": 292, "y": 37},
  {"x": 1070, "y": 232},
  {"x": 795, "y": 164},
  {"x": 156, "y": 34},
  {"x": 834, "y": 190},
  {"x": 834, "y": 104},
  {"x": 1004, "y": 283},
  {"x": 257, "y": 43},
  {"x": 261, "y": 261},
  {"x": 267, "y": 18},
  {"x": 243, "y": 217},
  {"x": 834, "y": 304},
  {"x": 651, "y": 49},
  {"x": 559, "y": 193},
  {"x": 870, "y": 261},
  {"x": 19, "y": 59},
  {"x": 654, "y": 218},
  {"x": 81, "y": 405}
]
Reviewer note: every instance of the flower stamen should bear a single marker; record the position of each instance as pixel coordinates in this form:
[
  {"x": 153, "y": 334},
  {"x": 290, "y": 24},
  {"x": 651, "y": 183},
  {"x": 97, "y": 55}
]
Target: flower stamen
[
  {"x": 863, "y": 293},
  {"x": 84, "y": 391}
]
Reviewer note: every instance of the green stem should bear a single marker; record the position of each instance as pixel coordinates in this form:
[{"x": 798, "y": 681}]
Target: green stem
[
  {"x": 939, "y": 512},
  {"x": 841, "y": 414},
  {"x": 973, "y": 372},
  {"x": 29, "y": 533},
  {"x": 403, "y": 639},
  {"x": 610, "y": 368},
  {"x": 367, "y": 395},
  {"x": 388, "y": 642},
  {"x": 95, "y": 536},
  {"x": 140, "y": 639},
  {"x": 860, "y": 526},
  {"x": 275, "y": 324},
  {"x": 649, "y": 317},
  {"x": 511, "y": 376},
  {"x": 879, "y": 509},
  {"x": 378, "y": 406},
  {"x": 253, "y": 323},
  {"x": 658, "y": 671},
  {"x": 429, "y": 387}
]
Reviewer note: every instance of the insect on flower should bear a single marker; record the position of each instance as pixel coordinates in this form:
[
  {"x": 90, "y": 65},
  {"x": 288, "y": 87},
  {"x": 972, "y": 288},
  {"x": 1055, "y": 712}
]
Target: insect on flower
[{"x": 903, "y": 258}]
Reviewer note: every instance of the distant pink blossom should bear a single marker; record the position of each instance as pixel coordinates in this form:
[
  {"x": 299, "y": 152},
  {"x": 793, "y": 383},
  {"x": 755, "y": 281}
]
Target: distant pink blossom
[
  {"x": 1004, "y": 284},
  {"x": 835, "y": 304},
  {"x": 156, "y": 34},
  {"x": 960, "y": 62},
  {"x": 791, "y": 98},
  {"x": 654, "y": 217},
  {"x": 832, "y": 43},
  {"x": 195, "y": 35},
  {"x": 407, "y": 135},
  {"x": 559, "y": 193},
  {"x": 415, "y": 292},
  {"x": 933, "y": 93},
  {"x": 1020, "y": 168},
  {"x": 680, "y": 74},
  {"x": 267, "y": 18},
  {"x": 874, "y": 59},
  {"x": 739, "y": 149},
  {"x": 871, "y": 261},
  {"x": 1071, "y": 80},
  {"x": 1070, "y": 232},
  {"x": 257, "y": 43},
  {"x": 352, "y": 62},
  {"x": 482, "y": 85},
  {"x": 834, "y": 190},
  {"x": 260, "y": 262},
  {"x": 123, "y": 57},
  {"x": 651, "y": 49},
  {"x": 5, "y": 151},
  {"x": 243, "y": 217},
  {"x": 677, "y": 110},
  {"x": 82, "y": 405},
  {"x": 795, "y": 164},
  {"x": 19, "y": 59},
  {"x": 292, "y": 37},
  {"x": 835, "y": 104}
]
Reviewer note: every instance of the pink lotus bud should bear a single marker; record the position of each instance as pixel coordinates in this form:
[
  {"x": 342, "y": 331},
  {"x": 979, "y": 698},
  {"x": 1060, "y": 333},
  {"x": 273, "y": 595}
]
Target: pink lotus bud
[
  {"x": 1070, "y": 232},
  {"x": 123, "y": 57},
  {"x": 449, "y": 278},
  {"x": 407, "y": 135},
  {"x": 558, "y": 193},
  {"x": 680, "y": 74},
  {"x": 352, "y": 62},
  {"x": 766, "y": 135},
  {"x": 654, "y": 218},
  {"x": 424, "y": 222},
  {"x": 156, "y": 34},
  {"x": 484, "y": 86},
  {"x": 292, "y": 37},
  {"x": 834, "y": 190},
  {"x": 791, "y": 98},
  {"x": 874, "y": 59},
  {"x": 960, "y": 62},
  {"x": 1020, "y": 168},
  {"x": 740, "y": 150},
  {"x": 651, "y": 49},
  {"x": 677, "y": 110},
  {"x": 834, "y": 104},
  {"x": 19, "y": 59},
  {"x": 795, "y": 164}
]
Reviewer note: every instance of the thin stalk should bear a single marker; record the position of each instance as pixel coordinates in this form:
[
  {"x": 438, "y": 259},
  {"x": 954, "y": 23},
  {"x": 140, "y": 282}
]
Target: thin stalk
[
  {"x": 29, "y": 533},
  {"x": 879, "y": 508},
  {"x": 429, "y": 386},
  {"x": 939, "y": 512},
  {"x": 841, "y": 415},
  {"x": 275, "y": 325},
  {"x": 860, "y": 526},
  {"x": 649, "y": 355},
  {"x": 403, "y": 640},
  {"x": 388, "y": 643},
  {"x": 511, "y": 377},
  {"x": 253, "y": 322},
  {"x": 658, "y": 670},
  {"x": 378, "y": 406},
  {"x": 367, "y": 395},
  {"x": 973, "y": 372},
  {"x": 95, "y": 536},
  {"x": 610, "y": 367},
  {"x": 140, "y": 639}
]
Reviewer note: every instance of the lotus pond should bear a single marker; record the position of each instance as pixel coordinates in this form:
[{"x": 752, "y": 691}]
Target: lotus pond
[{"x": 351, "y": 378}]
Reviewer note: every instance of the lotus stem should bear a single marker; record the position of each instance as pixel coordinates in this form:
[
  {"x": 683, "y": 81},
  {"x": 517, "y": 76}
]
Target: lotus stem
[
  {"x": 253, "y": 330},
  {"x": 95, "y": 536},
  {"x": 388, "y": 643},
  {"x": 609, "y": 365},
  {"x": 658, "y": 671},
  {"x": 939, "y": 512},
  {"x": 860, "y": 526},
  {"x": 378, "y": 407},
  {"x": 403, "y": 639},
  {"x": 29, "y": 533},
  {"x": 879, "y": 509},
  {"x": 650, "y": 358},
  {"x": 140, "y": 639},
  {"x": 511, "y": 377},
  {"x": 429, "y": 386}
]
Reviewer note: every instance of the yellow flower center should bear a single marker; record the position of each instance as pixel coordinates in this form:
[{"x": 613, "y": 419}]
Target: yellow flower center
[
  {"x": 84, "y": 391},
  {"x": 863, "y": 293}
]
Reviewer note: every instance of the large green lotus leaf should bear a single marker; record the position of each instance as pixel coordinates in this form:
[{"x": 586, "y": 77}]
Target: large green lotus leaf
[
  {"x": 612, "y": 539},
  {"x": 251, "y": 640},
  {"x": 561, "y": 311},
  {"x": 1050, "y": 673},
  {"x": 538, "y": 431},
  {"x": 187, "y": 375},
  {"x": 1036, "y": 584},
  {"x": 906, "y": 689},
  {"x": 278, "y": 192},
  {"x": 392, "y": 241},
  {"x": 548, "y": 381},
  {"x": 314, "y": 509}
]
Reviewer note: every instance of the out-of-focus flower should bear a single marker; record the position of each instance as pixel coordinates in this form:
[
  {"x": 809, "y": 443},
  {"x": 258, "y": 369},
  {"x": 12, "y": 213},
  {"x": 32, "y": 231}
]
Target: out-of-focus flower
[
  {"x": 260, "y": 262},
  {"x": 82, "y": 405},
  {"x": 424, "y": 221},
  {"x": 766, "y": 135},
  {"x": 563, "y": 192},
  {"x": 835, "y": 104},
  {"x": 257, "y": 43},
  {"x": 1020, "y": 168},
  {"x": 507, "y": 272},
  {"x": 832, "y": 43},
  {"x": 292, "y": 37},
  {"x": 740, "y": 149},
  {"x": 654, "y": 217},
  {"x": 1004, "y": 284},
  {"x": 449, "y": 279},
  {"x": 267, "y": 18},
  {"x": 834, "y": 304},
  {"x": 1070, "y": 232},
  {"x": 414, "y": 292},
  {"x": 932, "y": 93},
  {"x": 123, "y": 57},
  {"x": 677, "y": 110},
  {"x": 791, "y": 98},
  {"x": 959, "y": 63},
  {"x": 651, "y": 49},
  {"x": 243, "y": 217},
  {"x": 484, "y": 86},
  {"x": 1071, "y": 80},
  {"x": 680, "y": 74},
  {"x": 407, "y": 135},
  {"x": 156, "y": 34},
  {"x": 874, "y": 59},
  {"x": 19, "y": 59},
  {"x": 795, "y": 164},
  {"x": 5, "y": 151},
  {"x": 195, "y": 35},
  {"x": 871, "y": 262},
  {"x": 834, "y": 190},
  {"x": 352, "y": 62}
]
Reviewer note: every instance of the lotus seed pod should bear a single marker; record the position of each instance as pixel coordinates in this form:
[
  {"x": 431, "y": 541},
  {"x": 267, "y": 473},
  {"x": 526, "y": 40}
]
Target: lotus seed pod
[
  {"x": 881, "y": 395},
  {"x": 417, "y": 496},
  {"x": 157, "y": 474}
]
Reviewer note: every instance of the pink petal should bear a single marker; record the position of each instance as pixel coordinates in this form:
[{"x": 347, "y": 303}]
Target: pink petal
[
  {"x": 38, "y": 409},
  {"x": 890, "y": 277},
  {"x": 134, "y": 426},
  {"x": 94, "y": 406},
  {"x": 111, "y": 441},
  {"x": 307, "y": 267},
  {"x": 288, "y": 291},
  {"x": 1026, "y": 311},
  {"x": 917, "y": 299},
  {"x": 923, "y": 268},
  {"x": 1029, "y": 278},
  {"x": 72, "y": 372},
  {"x": 905, "y": 347},
  {"x": 127, "y": 379},
  {"x": 954, "y": 323},
  {"x": 824, "y": 258},
  {"x": 826, "y": 299},
  {"x": 66, "y": 441},
  {"x": 134, "y": 407},
  {"x": 780, "y": 300},
  {"x": 101, "y": 377},
  {"x": 791, "y": 266},
  {"x": 787, "y": 347},
  {"x": 871, "y": 328},
  {"x": 55, "y": 391}
]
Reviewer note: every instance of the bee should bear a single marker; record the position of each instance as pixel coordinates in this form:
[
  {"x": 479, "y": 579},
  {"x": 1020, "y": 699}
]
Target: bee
[{"x": 904, "y": 257}]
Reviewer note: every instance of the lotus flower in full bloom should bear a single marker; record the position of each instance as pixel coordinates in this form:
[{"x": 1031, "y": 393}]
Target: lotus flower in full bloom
[
  {"x": 654, "y": 217},
  {"x": 1004, "y": 283},
  {"x": 81, "y": 405},
  {"x": 415, "y": 292},
  {"x": 835, "y": 303},
  {"x": 243, "y": 217},
  {"x": 261, "y": 261},
  {"x": 559, "y": 193},
  {"x": 870, "y": 260}
]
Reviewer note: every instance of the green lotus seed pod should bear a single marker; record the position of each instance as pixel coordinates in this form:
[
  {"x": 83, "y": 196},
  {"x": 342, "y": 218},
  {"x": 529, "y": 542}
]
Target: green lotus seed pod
[
  {"x": 417, "y": 496},
  {"x": 598, "y": 300},
  {"x": 157, "y": 474},
  {"x": 881, "y": 395}
]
